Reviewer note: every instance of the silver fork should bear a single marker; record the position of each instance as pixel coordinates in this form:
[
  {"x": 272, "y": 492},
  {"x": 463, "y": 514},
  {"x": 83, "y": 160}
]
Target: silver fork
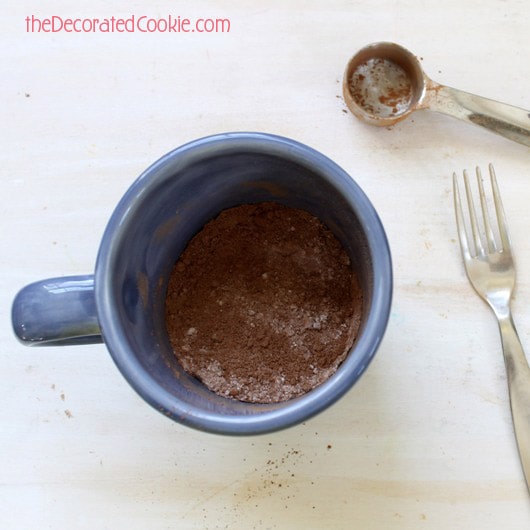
[{"x": 490, "y": 269}]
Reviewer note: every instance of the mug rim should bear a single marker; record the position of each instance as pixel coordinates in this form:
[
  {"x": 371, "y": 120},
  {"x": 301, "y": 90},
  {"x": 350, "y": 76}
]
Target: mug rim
[{"x": 293, "y": 411}]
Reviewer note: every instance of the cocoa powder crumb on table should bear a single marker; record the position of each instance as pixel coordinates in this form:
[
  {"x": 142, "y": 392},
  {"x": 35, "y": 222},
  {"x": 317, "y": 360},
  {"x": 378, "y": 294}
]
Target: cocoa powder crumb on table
[{"x": 263, "y": 305}]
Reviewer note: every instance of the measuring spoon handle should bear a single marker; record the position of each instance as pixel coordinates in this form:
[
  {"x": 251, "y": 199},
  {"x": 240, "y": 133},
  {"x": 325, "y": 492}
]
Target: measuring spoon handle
[{"x": 508, "y": 121}]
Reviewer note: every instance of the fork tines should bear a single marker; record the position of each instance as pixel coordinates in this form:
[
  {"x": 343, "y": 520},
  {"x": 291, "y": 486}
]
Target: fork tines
[{"x": 483, "y": 234}]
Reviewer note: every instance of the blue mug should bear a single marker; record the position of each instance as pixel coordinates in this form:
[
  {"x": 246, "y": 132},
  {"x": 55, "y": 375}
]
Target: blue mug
[{"x": 122, "y": 303}]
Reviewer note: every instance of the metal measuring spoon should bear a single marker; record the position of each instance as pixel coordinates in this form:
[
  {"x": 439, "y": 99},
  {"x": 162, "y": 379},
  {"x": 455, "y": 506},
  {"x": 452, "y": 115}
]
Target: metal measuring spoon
[{"x": 384, "y": 83}]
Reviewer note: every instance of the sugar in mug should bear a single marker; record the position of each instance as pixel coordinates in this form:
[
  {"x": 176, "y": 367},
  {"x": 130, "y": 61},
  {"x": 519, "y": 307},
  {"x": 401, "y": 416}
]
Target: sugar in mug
[{"x": 122, "y": 303}]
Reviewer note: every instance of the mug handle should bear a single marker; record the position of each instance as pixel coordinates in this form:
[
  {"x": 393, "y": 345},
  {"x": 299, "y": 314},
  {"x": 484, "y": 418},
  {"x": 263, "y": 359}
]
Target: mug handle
[{"x": 57, "y": 312}]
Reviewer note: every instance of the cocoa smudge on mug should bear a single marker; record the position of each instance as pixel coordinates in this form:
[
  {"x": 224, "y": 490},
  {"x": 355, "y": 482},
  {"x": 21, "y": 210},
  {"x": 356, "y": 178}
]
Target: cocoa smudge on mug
[{"x": 263, "y": 304}]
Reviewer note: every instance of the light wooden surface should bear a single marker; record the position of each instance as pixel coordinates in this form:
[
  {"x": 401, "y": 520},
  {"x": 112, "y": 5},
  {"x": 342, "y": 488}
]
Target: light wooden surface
[{"x": 425, "y": 439}]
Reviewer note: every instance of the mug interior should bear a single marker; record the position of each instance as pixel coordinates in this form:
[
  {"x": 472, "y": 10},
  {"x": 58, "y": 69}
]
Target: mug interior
[{"x": 166, "y": 207}]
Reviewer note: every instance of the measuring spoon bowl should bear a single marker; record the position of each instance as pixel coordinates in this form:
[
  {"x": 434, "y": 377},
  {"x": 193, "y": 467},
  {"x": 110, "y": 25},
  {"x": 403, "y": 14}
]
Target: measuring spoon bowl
[{"x": 384, "y": 83}]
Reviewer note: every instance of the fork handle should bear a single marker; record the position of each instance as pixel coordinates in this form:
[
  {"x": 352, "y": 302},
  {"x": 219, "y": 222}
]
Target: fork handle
[
  {"x": 518, "y": 373},
  {"x": 508, "y": 121}
]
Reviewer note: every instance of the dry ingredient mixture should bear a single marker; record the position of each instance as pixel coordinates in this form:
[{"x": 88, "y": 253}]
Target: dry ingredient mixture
[
  {"x": 263, "y": 305},
  {"x": 381, "y": 87}
]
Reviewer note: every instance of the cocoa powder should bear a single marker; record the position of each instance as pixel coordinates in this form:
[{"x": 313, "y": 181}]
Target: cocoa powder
[
  {"x": 263, "y": 304},
  {"x": 381, "y": 87}
]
